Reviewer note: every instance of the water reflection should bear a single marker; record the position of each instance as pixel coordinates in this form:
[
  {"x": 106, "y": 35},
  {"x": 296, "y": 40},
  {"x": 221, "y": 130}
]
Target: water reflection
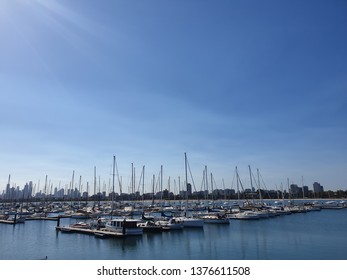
[{"x": 300, "y": 236}]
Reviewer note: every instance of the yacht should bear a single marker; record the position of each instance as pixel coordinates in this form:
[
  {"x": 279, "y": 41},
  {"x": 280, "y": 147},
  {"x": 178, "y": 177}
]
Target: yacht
[
  {"x": 124, "y": 226},
  {"x": 215, "y": 219}
]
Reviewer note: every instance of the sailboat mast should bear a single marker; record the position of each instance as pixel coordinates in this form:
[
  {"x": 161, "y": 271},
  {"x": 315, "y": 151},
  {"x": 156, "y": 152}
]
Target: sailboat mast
[
  {"x": 225, "y": 195},
  {"x": 94, "y": 184},
  {"x": 44, "y": 199},
  {"x": 212, "y": 189},
  {"x": 237, "y": 183},
  {"x": 132, "y": 180},
  {"x": 113, "y": 174},
  {"x": 260, "y": 195},
  {"x": 206, "y": 179},
  {"x": 72, "y": 183},
  {"x": 87, "y": 192},
  {"x": 153, "y": 183},
  {"x": 289, "y": 192},
  {"x": 186, "y": 171},
  {"x": 161, "y": 183},
  {"x": 80, "y": 191},
  {"x": 143, "y": 189},
  {"x": 250, "y": 176}
]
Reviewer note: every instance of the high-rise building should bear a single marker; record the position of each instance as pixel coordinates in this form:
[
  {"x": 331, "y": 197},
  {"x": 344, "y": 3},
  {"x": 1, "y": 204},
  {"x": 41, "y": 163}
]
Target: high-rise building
[
  {"x": 189, "y": 189},
  {"x": 317, "y": 188},
  {"x": 8, "y": 192},
  {"x": 294, "y": 189}
]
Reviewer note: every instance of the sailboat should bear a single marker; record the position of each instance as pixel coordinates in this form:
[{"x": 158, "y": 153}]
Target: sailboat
[
  {"x": 185, "y": 220},
  {"x": 215, "y": 217},
  {"x": 123, "y": 226}
]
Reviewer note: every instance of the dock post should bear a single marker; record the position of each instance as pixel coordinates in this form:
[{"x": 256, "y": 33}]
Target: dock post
[
  {"x": 15, "y": 219},
  {"x": 58, "y": 222},
  {"x": 124, "y": 230}
]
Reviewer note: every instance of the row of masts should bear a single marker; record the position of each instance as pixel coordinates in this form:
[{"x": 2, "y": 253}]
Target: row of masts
[{"x": 207, "y": 185}]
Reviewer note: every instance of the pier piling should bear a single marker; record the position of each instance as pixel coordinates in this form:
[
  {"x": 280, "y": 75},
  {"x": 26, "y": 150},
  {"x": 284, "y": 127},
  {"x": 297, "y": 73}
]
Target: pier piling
[{"x": 58, "y": 222}]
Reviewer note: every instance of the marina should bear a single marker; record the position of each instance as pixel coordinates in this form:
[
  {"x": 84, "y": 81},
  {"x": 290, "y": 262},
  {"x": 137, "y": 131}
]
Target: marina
[{"x": 267, "y": 235}]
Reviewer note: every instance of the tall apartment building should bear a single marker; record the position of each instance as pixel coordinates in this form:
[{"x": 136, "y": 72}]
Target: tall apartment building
[{"x": 317, "y": 188}]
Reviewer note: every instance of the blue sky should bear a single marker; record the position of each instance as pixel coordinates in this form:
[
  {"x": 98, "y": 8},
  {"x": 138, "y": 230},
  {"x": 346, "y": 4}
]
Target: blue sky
[{"x": 231, "y": 83}]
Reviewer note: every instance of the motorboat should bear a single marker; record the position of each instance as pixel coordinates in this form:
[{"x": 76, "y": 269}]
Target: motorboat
[
  {"x": 215, "y": 219},
  {"x": 124, "y": 226},
  {"x": 170, "y": 224},
  {"x": 150, "y": 226},
  {"x": 245, "y": 215},
  {"x": 80, "y": 225},
  {"x": 190, "y": 222}
]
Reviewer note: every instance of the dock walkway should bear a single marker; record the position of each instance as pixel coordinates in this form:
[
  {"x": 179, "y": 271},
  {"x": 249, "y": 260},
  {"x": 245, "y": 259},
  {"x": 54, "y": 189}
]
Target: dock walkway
[
  {"x": 42, "y": 218},
  {"x": 95, "y": 232},
  {"x": 7, "y": 222}
]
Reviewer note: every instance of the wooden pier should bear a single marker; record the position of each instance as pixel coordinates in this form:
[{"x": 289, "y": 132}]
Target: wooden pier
[
  {"x": 7, "y": 222},
  {"x": 42, "y": 218},
  {"x": 97, "y": 233}
]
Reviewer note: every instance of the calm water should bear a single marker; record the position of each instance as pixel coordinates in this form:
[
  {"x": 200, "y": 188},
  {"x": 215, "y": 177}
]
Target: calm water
[{"x": 314, "y": 235}]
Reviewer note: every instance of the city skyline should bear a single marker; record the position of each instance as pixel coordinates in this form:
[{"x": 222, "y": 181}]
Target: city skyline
[
  {"x": 78, "y": 189},
  {"x": 230, "y": 83},
  {"x": 29, "y": 192}
]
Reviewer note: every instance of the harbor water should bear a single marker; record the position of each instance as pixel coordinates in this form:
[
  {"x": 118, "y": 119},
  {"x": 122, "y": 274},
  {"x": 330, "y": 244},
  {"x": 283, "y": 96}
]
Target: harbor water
[{"x": 317, "y": 235}]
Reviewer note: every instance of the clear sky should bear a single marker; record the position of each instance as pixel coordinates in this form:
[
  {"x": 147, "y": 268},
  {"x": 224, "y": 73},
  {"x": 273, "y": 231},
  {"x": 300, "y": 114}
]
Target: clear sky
[{"x": 229, "y": 82}]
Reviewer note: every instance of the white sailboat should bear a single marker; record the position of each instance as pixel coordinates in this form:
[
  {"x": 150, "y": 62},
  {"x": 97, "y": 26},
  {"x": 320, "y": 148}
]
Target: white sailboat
[{"x": 186, "y": 220}]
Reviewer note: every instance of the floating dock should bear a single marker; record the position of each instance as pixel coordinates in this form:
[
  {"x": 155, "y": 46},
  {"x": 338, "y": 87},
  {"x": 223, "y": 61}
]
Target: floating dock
[
  {"x": 95, "y": 232},
  {"x": 42, "y": 218},
  {"x": 7, "y": 222}
]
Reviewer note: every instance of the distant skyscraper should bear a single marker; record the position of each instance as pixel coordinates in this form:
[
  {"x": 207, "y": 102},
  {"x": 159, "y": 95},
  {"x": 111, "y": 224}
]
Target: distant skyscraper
[
  {"x": 8, "y": 191},
  {"x": 189, "y": 189},
  {"x": 317, "y": 188},
  {"x": 294, "y": 189}
]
